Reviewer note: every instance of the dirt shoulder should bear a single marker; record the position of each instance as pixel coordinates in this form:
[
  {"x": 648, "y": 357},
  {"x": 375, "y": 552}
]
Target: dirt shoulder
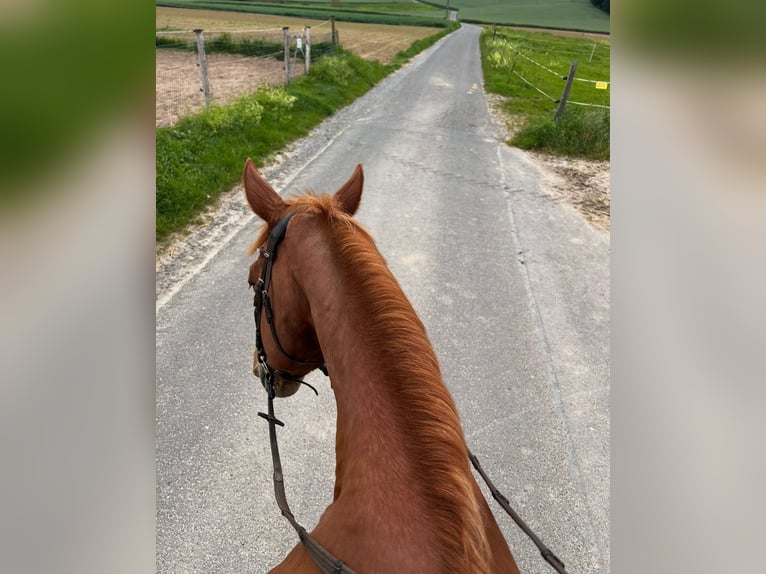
[{"x": 584, "y": 184}]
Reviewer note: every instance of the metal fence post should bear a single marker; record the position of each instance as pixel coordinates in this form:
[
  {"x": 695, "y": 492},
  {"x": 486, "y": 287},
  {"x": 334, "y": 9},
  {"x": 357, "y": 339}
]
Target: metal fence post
[
  {"x": 307, "y": 57},
  {"x": 203, "y": 66},
  {"x": 285, "y": 31},
  {"x": 565, "y": 95}
]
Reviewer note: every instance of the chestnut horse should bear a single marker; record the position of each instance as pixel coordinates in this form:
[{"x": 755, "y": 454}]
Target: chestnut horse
[{"x": 405, "y": 499}]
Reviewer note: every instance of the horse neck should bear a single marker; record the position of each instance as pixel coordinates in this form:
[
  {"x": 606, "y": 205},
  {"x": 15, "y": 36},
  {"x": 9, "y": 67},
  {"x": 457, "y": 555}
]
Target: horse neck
[
  {"x": 384, "y": 372},
  {"x": 398, "y": 428}
]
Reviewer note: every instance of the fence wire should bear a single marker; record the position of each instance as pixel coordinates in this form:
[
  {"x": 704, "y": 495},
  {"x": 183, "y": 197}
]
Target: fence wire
[
  {"x": 517, "y": 51},
  {"x": 531, "y": 85}
]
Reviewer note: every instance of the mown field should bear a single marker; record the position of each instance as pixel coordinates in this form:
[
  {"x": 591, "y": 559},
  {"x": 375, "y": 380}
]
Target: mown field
[
  {"x": 399, "y": 12},
  {"x": 578, "y": 15}
]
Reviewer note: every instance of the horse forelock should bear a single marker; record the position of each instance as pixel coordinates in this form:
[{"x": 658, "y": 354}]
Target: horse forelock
[{"x": 310, "y": 203}]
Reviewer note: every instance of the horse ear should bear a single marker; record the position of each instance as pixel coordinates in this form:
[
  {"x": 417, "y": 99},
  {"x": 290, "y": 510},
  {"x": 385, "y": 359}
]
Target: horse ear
[
  {"x": 350, "y": 194},
  {"x": 263, "y": 200}
]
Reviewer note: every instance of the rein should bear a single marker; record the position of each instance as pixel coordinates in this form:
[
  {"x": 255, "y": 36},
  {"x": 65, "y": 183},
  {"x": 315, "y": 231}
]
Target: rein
[
  {"x": 549, "y": 556},
  {"x": 324, "y": 559}
]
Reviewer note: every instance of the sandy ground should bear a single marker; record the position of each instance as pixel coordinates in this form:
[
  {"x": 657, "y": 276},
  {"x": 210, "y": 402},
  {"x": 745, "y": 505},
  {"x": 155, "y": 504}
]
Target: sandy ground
[{"x": 178, "y": 81}]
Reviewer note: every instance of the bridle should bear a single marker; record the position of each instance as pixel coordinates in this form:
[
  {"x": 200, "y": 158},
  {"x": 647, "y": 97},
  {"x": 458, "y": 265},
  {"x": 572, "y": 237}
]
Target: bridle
[
  {"x": 325, "y": 560},
  {"x": 262, "y": 302}
]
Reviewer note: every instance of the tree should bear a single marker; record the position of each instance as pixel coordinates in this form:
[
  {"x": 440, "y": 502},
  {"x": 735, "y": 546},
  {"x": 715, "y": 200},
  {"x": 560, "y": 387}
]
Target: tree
[{"x": 602, "y": 4}]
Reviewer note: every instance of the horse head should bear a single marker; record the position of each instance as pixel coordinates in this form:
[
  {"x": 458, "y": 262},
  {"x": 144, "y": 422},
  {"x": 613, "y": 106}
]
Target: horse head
[{"x": 287, "y": 347}]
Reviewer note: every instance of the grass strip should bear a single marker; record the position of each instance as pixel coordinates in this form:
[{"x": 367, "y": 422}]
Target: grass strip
[
  {"x": 578, "y": 133},
  {"x": 202, "y": 155}
]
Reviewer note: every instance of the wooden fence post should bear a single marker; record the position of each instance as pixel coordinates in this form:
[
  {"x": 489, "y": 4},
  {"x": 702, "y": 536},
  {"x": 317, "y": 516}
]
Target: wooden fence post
[
  {"x": 334, "y": 32},
  {"x": 565, "y": 94},
  {"x": 285, "y": 32},
  {"x": 307, "y": 57},
  {"x": 203, "y": 66}
]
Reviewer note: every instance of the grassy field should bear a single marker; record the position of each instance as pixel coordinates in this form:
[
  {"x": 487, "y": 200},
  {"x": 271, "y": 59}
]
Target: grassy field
[
  {"x": 578, "y": 15},
  {"x": 395, "y": 13},
  {"x": 528, "y": 68}
]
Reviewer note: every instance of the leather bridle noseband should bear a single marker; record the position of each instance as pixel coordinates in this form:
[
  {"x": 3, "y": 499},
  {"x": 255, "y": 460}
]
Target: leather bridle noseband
[{"x": 325, "y": 560}]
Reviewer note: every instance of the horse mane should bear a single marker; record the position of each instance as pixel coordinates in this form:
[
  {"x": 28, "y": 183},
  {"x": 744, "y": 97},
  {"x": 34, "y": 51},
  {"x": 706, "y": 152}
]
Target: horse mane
[{"x": 437, "y": 447}]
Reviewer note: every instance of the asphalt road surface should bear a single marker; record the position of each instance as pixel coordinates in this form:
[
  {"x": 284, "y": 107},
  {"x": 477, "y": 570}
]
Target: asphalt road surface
[{"x": 511, "y": 284}]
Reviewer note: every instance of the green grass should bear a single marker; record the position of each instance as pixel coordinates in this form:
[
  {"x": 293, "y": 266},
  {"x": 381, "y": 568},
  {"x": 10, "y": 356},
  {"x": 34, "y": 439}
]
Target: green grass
[
  {"x": 583, "y": 130},
  {"x": 561, "y": 14},
  {"x": 578, "y": 133},
  {"x": 396, "y": 13},
  {"x": 202, "y": 155}
]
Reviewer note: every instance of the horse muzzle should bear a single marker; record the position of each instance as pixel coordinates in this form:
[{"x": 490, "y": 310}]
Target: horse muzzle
[{"x": 280, "y": 384}]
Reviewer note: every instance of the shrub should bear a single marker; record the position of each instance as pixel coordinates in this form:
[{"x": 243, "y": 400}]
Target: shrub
[
  {"x": 276, "y": 102},
  {"x": 333, "y": 69},
  {"x": 244, "y": 110}
]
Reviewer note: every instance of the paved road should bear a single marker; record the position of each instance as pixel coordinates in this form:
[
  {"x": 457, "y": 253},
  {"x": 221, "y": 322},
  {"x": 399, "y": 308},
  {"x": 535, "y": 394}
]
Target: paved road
[{"x": 512, "y": 285}]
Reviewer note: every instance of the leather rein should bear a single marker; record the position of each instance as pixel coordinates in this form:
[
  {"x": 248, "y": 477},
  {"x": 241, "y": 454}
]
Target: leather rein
[{"x": 324, "y": 559}]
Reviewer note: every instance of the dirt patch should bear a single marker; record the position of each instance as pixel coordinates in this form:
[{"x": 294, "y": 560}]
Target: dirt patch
[
  {"x": 584, "y": 184},
  {"x": 178, "y": 81}
]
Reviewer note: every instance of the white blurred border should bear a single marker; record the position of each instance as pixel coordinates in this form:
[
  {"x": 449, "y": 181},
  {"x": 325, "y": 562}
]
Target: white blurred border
[
  {"x": 689, "y": 315},
  {"x": 77, "y": 390}
]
